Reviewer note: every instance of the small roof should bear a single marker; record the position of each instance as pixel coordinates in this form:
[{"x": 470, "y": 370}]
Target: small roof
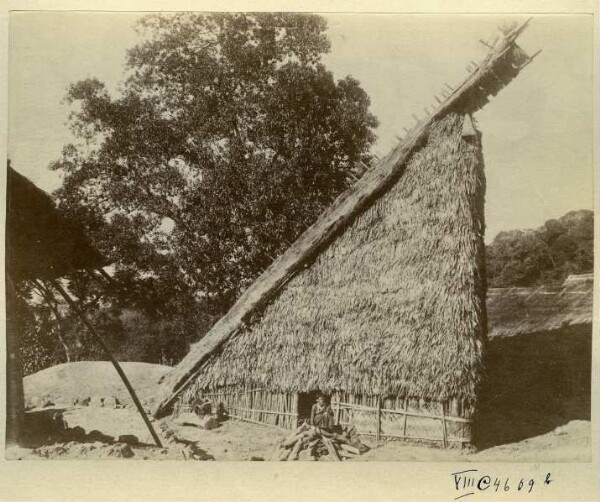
[{"x": 41, "y": 242}]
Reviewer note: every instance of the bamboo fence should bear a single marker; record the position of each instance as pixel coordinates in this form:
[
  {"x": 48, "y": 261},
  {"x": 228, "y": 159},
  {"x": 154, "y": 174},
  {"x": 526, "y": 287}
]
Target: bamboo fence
[{"x": 403, "y": 418}]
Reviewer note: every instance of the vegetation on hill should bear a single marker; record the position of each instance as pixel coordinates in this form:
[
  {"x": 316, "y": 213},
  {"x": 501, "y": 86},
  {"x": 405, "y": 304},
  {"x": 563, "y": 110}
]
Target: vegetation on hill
[{"x": 545, "y": 255}]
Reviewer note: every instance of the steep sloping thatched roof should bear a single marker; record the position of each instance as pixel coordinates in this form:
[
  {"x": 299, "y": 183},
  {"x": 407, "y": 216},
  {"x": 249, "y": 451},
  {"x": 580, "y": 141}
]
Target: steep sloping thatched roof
[
  {"x": 395, "y": 304},
  {"x": 501, "y": 65},
  {"x": 517, "y": 311},
  {"x": 40, "y": 242}
]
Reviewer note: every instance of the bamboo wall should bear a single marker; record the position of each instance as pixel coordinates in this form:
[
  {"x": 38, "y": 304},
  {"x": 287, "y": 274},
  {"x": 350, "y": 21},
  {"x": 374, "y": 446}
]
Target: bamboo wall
[
  {"x": 446, "y": 424},
  {"x": 259, "y": 406},
  {"x": 408, "y": 419}
]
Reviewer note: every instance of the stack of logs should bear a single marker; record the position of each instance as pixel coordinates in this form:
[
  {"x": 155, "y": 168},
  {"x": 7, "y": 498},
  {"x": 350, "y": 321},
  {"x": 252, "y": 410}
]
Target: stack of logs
[{"x": 312, "y": 443}]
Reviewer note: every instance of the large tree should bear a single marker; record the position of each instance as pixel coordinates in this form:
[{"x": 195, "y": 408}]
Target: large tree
[{"x": 227, "y": 138}]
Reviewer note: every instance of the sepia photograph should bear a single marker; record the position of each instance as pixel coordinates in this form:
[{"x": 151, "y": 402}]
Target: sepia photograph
[{"x": 293, "y": 236}]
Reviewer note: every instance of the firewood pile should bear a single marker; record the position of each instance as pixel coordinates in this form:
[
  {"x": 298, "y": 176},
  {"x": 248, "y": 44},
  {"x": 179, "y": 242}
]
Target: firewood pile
[{"x": 312, "y": 443}]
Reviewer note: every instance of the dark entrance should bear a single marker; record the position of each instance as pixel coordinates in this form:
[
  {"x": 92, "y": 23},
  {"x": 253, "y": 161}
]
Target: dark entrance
[{"x": 305, "y": 403}]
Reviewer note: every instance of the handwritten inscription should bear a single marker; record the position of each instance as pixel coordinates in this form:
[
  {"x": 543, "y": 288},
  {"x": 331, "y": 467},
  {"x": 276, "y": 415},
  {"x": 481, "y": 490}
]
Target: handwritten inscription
[{"x": 472, "y": 481}]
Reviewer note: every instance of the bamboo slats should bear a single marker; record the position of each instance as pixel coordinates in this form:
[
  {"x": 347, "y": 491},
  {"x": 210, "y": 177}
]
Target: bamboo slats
[
  {"x": 400, "y": 418},
  {"x": 275, "y": 409},
  {"x": 392, "y": 417},
  {"x": 404, "y": 412}
]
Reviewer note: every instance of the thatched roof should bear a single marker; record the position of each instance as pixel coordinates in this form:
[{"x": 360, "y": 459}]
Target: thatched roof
[
  {"x": 517, "y": 311},
  {"x": 394, "y": 305},
  {"x": 429, "y": 187},
  {"x": 40, "y": 242}
]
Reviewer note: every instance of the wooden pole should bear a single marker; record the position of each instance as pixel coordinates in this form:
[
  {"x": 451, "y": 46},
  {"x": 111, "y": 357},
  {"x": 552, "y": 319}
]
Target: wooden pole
[
  {"x": 49, "y": 299},
  {"x": 444, "y": 432},
  {"x": 378, "y": 417},
  {"x": 405, "y": 414},
  {"x": 114, "y": 362},
  {"x": 15, "y": 399},
  {"x": 104, "y": 274}
]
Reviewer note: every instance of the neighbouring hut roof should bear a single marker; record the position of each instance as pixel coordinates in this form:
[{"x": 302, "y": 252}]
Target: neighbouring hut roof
[
  {"x": 518, "y": 311},
  {"x": 40, "y": 242},
  {"x": 430, "y": 214}
]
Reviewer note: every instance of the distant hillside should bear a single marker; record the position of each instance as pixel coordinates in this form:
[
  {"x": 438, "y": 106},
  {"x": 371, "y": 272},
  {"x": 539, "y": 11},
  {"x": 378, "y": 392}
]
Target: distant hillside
[{"x": 545, "y": 255}]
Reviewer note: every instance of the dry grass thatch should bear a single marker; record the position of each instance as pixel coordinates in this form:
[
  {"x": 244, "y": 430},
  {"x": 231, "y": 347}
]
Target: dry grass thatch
[
  {"x": 395, "y": 305},
  {"x": 516, "y": 311},
  {"x": 498, "y": 68}
]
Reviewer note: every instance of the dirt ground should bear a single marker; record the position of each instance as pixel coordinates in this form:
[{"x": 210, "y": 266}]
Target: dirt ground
[
  {"x": 235, "y": 440},
  {"x": 568, "y": 443},
  {"x": 93, "y": 414}
]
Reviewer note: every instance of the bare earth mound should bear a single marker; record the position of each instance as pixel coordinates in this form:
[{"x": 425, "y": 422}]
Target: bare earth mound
[{"x": 69, "y": 383}]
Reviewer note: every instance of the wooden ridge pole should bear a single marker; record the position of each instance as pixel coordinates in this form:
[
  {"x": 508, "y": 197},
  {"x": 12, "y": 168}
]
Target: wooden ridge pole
[{"x": 114, "y": 362}]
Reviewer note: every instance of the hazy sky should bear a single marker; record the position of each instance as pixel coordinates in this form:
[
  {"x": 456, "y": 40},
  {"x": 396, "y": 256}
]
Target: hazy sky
[{"x": 537, "y": 133}]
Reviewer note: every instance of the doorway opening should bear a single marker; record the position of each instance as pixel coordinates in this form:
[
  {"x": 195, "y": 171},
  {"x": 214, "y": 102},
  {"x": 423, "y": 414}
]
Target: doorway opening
[{"x": 306, "y": 401}]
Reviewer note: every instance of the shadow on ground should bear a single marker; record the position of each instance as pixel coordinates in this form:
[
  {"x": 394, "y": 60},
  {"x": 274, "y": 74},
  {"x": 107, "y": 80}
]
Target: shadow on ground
[
  {"x": 536, "y": 383},
  {"x": 47, "y": 426}
]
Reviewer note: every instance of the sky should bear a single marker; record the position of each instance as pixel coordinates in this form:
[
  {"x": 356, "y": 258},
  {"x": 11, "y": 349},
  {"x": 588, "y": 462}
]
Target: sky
[{"x": 537, "y": 132}]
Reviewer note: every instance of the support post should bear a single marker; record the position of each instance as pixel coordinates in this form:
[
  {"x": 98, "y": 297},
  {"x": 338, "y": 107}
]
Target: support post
[
  {"x": 378, "y": 417},
  {"x": 114, "y": 362},
  {"x": 444, "y": 431},
  {"x": 405, "y": 415},
  {"x": 49, "y": 299},
  {"x": 15, "y": 401}
]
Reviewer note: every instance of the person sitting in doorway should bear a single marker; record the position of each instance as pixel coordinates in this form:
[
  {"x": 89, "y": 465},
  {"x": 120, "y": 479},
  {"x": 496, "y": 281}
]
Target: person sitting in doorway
[{"x": 321, "y": 415}]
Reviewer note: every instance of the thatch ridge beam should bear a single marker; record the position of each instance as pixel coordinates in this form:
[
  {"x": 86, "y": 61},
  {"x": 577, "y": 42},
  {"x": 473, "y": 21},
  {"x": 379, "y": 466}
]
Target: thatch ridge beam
[{"x": 466, "y": 98}]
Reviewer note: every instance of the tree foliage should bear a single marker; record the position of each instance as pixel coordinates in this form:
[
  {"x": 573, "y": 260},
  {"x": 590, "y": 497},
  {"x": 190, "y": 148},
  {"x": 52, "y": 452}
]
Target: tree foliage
[
  {"x": 51, "y": 333},
  {"x": 546, "y": 255},
  {"x": 228, "y": 137}
]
